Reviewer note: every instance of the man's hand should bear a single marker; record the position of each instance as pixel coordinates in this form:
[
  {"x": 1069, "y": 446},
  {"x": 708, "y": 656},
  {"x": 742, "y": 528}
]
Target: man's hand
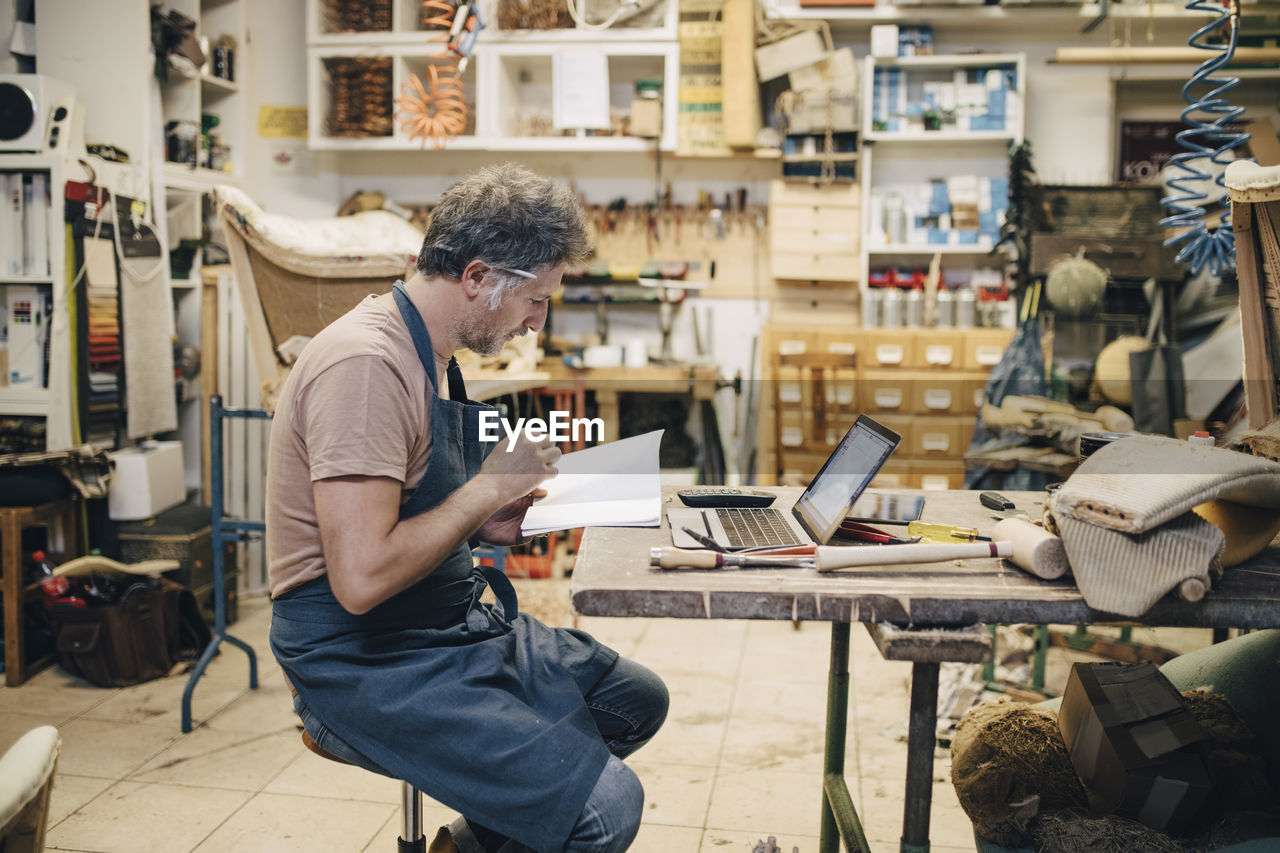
[
  {"x": 503, "y": 527},
  {"x": 516, "y": 470}
]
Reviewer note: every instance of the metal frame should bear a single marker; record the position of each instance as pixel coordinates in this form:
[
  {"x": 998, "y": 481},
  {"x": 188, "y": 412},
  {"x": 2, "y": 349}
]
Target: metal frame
[{"x": 228, "y": 530}]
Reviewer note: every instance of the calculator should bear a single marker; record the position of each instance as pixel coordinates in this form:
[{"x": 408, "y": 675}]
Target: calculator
[{"x": 711, "y": 497}]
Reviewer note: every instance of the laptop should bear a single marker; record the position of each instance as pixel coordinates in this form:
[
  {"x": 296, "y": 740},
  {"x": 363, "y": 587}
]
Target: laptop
[{"x": 816, "y": 515}]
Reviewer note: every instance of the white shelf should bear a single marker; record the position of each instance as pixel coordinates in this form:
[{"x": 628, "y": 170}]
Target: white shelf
[
  {"x": 940, "y": 136},
  {"x": 392, "y": 143},
  {"x": 29, "y": 162},
  {"x": 25, "y": 279},
  {"x": 24, "y": 401},
  {"x": 888, "y": 14},
  {"x": 180, "y": 177},
  {"x": 495, "y": 36},
  {"x": 489, "y": 36},
  {"x": 572, "y": 143},
  {"x": 929, "y": 249},
  {"x": 217, "y": 84},
  {"x": 952, "y": 60},
  {"x": 1018, "y": 15}
]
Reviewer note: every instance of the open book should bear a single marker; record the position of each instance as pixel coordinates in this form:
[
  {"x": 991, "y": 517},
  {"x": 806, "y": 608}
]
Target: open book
[{"x": 610, "y": 485}]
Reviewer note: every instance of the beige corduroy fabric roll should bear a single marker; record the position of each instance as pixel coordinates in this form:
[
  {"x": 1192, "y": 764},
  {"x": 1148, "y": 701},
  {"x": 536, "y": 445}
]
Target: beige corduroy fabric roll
[{"x": 1126, "y": 522}]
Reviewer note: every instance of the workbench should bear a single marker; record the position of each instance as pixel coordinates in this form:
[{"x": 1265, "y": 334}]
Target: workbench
[
  {"x": 925, "y": 614},
  {"x": 606, "y": 383}
]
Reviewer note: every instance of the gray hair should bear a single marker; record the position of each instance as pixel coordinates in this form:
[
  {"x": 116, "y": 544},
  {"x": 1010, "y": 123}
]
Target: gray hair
[{"x": 508, "y": 217}]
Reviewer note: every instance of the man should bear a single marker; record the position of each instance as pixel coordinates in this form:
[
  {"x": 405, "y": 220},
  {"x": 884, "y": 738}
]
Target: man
[{"x": 376, "y": 482}]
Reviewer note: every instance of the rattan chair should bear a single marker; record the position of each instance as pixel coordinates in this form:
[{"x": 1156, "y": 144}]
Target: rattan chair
[
  {"x": 1255, "y": 217},
  {"x": 296, "y": 276}
]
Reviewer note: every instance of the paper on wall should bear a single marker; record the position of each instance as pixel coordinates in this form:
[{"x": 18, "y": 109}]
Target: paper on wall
[{"x": 580, "y": 90}]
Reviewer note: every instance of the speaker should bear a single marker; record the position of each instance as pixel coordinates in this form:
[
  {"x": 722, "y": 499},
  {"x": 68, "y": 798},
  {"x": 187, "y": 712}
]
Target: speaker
[{"x": 38, "y": 114}]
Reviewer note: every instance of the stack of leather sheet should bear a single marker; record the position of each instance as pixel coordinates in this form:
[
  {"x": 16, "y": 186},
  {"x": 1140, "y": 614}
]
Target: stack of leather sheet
[{"x": 103, "y": 360}]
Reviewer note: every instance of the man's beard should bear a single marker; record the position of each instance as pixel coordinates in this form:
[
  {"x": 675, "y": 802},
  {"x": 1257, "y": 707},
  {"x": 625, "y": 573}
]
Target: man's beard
[{"x": 484, "y": 340}]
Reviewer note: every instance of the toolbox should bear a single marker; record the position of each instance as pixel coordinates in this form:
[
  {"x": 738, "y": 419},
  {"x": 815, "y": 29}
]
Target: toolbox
[{"x": 184, "y": 533}]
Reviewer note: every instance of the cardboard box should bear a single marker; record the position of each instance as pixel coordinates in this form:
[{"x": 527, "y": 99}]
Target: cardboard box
[{"x": 1134, "y": 744}]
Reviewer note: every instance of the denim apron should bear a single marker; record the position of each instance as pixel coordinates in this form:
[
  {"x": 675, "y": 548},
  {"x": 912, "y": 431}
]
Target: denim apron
[{"x": 475, "y": 704}]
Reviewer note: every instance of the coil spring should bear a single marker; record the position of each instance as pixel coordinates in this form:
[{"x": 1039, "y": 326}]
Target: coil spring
[
  {"x": 435, "y": 111},
  {"x": 1206, "y": 136}
]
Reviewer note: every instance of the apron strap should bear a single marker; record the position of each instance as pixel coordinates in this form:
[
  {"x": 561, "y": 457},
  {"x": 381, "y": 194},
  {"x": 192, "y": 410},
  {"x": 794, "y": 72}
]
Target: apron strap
[
  {"x": 421, "y": 337},
  {"x": 507, "y": 607},
  {"x": 457, "y": 389}
]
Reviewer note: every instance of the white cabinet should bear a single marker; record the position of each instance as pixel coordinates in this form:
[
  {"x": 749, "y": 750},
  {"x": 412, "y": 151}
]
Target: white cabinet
[
  {"x": 356, "y": 76},
  {"x": 36, "y": 364},
  {"x": 936, "y": 137}
]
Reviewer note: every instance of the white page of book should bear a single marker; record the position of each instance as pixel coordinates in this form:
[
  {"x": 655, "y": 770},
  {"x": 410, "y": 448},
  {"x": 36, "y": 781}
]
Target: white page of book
[{"x": 610, "y": 485}]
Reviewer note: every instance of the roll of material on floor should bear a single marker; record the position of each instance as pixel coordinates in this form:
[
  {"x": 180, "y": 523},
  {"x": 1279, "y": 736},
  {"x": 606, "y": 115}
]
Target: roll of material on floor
[{"x": 1035, "y": 549}]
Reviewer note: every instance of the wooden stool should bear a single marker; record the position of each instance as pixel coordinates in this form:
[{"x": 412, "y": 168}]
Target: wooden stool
[
  {"x": 411, "y": 839},
  {"x": 60, "y": 515}
]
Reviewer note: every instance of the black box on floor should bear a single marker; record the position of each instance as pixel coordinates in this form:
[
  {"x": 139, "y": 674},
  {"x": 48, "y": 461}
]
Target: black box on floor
[
  {"x": 1134, "y": 744},
  {"x": 185, "y": 534}
]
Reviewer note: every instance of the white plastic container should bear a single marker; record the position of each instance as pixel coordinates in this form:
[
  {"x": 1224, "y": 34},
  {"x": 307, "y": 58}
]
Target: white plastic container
[{"x": 147, "y": 480}]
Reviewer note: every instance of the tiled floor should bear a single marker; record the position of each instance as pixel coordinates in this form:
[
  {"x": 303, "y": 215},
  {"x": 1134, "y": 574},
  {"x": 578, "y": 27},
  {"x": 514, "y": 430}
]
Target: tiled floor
[{"x": 739, "y": 759}]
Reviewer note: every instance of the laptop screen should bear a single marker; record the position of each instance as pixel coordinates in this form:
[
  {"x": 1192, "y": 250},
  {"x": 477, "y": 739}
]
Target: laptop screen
[{"x": 848, "y": 470}]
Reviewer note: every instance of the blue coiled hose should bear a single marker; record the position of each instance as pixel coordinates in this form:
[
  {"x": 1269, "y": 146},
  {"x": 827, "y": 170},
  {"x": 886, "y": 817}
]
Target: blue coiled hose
[{"x": 1206, "y": 136}]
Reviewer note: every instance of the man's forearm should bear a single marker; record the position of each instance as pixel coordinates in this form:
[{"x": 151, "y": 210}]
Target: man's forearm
[{"x": 369, "y": 560}]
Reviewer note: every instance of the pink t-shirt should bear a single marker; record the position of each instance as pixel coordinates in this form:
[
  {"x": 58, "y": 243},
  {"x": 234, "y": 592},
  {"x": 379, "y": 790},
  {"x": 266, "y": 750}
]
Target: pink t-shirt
[{"x": 356, "y": 402}]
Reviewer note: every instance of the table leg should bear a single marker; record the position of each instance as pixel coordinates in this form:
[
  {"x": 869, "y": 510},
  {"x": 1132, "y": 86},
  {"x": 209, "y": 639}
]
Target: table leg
[
  {"x": 839, "y": 817},
  {"x": 921, "y": 737},
  {"x": 607, "y": 408}
]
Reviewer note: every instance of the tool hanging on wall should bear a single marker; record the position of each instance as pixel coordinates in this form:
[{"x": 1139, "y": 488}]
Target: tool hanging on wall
[
  {"x": 1206, "y": 140},
  {"x": 436, "y": 111}
]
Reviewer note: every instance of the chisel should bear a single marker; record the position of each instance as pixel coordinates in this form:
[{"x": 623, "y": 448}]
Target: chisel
[{"x": 688, "y": 558}]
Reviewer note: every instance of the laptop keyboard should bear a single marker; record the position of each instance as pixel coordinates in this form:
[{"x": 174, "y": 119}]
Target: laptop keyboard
[{"x": 756, "y": 527}]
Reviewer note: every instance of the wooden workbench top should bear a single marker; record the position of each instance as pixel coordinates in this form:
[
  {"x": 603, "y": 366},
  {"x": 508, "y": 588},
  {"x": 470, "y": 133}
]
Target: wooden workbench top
[{"x": 612, "y": 577}]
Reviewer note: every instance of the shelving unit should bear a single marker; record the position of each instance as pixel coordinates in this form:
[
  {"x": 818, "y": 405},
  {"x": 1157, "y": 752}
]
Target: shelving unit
[
  {"x": 508, "y": 83},
  {"x": 902, "y": 161},
  {"x": 37, "y": 399},
  {"x": 185, "y": 187},
  {"x": 128, "y": 107}
]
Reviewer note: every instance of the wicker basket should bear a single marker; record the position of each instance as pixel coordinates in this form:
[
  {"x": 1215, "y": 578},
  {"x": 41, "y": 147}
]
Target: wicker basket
[
  {"x": 356, "y": 16},
  {"x": 360, "y": 96},
  {"x": 534, "y": 15}
]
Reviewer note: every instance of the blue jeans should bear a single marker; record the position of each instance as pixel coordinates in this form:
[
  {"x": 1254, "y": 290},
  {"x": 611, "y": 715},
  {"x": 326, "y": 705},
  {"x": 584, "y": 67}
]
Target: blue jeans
[{"x": 629, "y": 705}]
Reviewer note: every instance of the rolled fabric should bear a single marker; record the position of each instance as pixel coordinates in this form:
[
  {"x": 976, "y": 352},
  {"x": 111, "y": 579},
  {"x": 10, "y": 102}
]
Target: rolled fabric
[{"x": 1035, "y": 549}]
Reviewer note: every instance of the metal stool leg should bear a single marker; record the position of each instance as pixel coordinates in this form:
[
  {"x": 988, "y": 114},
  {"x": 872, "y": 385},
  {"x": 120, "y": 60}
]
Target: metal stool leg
[{"x": 411, "y": 839}]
